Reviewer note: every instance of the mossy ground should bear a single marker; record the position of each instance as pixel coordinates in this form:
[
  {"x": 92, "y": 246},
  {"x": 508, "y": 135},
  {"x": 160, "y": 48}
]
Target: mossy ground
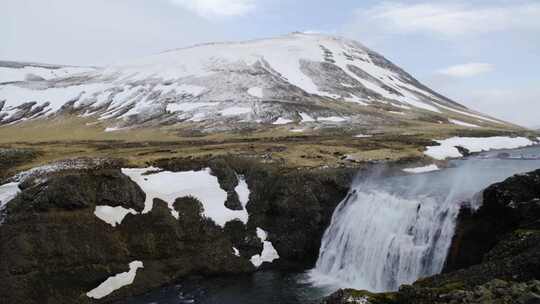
[{"x": 71, "y": 137}]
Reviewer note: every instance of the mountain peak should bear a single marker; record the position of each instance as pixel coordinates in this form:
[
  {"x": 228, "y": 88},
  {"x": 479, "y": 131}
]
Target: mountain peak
[{"x": 214, "y": 86}]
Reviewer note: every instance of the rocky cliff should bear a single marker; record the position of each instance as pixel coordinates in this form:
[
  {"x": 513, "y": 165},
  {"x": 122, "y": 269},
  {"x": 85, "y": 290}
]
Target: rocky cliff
[{"x": 55, "y": 249}]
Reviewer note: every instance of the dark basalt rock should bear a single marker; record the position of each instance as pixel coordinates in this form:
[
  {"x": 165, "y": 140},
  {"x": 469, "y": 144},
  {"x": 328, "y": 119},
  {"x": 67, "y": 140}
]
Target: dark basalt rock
[
  {"x": 507, "y": 206},
  {"x": 54, "y": 249},
  {"x": 351, "y": 296}
]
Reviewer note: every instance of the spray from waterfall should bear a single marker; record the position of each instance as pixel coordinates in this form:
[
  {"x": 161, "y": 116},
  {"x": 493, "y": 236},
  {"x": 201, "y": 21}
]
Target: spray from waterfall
[{"x": 390, "y": 231}]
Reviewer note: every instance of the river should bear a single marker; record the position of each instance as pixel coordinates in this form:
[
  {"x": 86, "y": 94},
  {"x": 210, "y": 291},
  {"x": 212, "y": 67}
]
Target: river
[{"x": 388, "y": 231}]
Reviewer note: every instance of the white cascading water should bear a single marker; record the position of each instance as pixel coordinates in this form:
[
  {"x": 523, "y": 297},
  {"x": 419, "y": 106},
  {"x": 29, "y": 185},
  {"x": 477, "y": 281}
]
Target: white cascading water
[
  {"x": 394, "y": 230},
  {"x": 378, "y": 240}
]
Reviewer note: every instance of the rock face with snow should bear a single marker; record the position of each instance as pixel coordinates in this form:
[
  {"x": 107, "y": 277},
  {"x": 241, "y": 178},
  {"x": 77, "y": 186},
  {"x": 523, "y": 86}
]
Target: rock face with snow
[
  {"x": 90, "y": 235},
  {"x": 296, "y": 78}
]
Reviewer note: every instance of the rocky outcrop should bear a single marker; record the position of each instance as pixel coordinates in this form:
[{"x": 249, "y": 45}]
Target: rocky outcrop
[
  {"x": 494, "y": 257},
  {"x": 54, "y": 249},
  {"x": 507, "y": 206}
]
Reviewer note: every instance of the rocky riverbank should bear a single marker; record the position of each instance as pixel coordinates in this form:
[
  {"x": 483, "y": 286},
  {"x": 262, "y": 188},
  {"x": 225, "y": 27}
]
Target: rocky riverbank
[
  {"x": 55, "y": 249},
  {"x": 494, "y": 257}
]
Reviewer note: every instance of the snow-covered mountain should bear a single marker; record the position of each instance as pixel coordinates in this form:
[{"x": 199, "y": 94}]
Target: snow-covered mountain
[{"x": 298, "y": 78}]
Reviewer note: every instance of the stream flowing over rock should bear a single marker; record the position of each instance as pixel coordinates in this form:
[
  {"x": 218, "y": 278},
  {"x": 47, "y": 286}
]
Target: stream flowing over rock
[
  {"x": 494, "y": 256},
  {"x": 379, "y": 240}
]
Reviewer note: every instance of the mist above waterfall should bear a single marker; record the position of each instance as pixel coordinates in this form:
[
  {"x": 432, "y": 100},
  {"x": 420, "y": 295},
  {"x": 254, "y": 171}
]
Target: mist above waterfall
[{"x": 393, "y": 230}]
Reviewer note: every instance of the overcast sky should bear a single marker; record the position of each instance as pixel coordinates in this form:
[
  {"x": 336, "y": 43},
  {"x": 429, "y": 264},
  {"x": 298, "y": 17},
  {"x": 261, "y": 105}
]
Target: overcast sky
[{"x": 484, "y": 54}]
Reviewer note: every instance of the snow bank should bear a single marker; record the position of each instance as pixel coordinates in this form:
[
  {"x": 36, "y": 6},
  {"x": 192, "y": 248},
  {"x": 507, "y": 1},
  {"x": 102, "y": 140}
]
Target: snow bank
[
  {"x": 306, "y": 117},
  {"x": 256, "y": 92},
  {"x": 8, "y": 74},
  {"x": 113, "y": 215},
  {"x": 424, "y": 169},
  {"x": 297, "y": 130},
  {"x": 477, "y": 116},
  {"x": 462, "y": 123},
  {"x": 282, "y": 121},
  {"x": 235, "y": 110},
  {"x": 268, "y": 253},
  {"x": 187, "y": 106},
  {"x": 202, "y": 185},
  {"x": 448, "y": 149},
  {"x": 242, "y": 190},
  {"x": 332, "y": 119},
  {"x": 8, "y": 192},
  {"x": 115, "y": 282},
  {"x": 363, "y": 136}
]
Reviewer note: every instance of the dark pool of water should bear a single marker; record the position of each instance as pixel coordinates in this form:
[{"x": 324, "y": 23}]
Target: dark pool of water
[{"x": 274, "y": 287}]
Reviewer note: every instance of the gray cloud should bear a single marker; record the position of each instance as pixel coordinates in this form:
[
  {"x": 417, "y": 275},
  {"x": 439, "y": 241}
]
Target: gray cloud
[
  {"x": 467, "y": 69},
  {"x": 217, "y": 8},
  {"x": 97, "y": 32},
  {"x": 451, "y": 19},
  {"x": 520, "y": 105}
]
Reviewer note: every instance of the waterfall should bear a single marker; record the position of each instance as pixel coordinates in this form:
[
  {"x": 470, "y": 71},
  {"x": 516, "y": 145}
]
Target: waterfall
[
  {"x": 390, "y": 231},
  {"x": 378, "y": 240}
]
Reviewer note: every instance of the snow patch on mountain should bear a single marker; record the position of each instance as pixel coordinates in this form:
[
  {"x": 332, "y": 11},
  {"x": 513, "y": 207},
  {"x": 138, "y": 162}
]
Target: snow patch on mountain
[
  {"x": 462, "y": 123},
  {"x": 282, "y": 121},
  {"x": 307, "y": 76},
  {"x": 256, "y": 92},
  {"x": 13, "y": 71}
]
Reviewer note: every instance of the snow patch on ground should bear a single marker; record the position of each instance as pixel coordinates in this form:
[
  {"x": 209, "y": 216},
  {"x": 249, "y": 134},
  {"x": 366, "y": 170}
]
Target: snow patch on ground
[
  {"x": 8, "y": 74},
  {"x": 424, "y": 169},
  {"x": 332, "y": 119},
  {"x": 112, "y": 129},
  {"x": 447, "y": 148},
  {"x": 363, "y": 136},
  {"x": 470, "y": 114},
  {"x": 187, "y": 106},
  {"x": 462, "y": 123},
  {"x": 256, "y": 92},
  {"x": 282, "y": 121},
  {"x": 268, "y": 253},
  {"x": 113, "y": 215},
  {"x": 235, "y": 110},
  {"x": 115, "y": 282},
  {"x": 8, "y": 192},
  {"x": 202, "y": 185},
  {"x": 306, "y": 117},
  {"x": 242, "y": 190}
]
